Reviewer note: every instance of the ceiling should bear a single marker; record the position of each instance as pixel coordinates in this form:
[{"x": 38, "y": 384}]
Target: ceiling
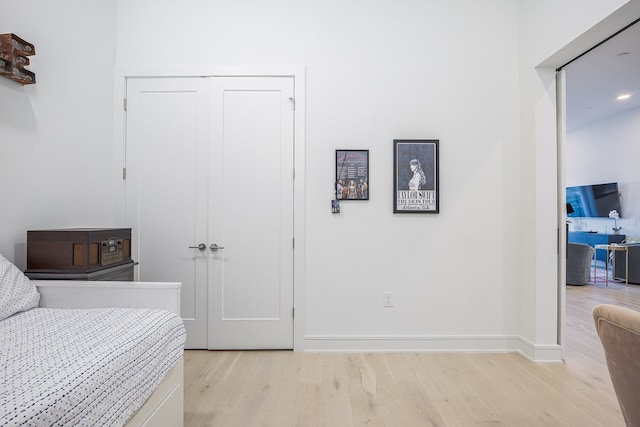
[{"x": 594, "y": 80}]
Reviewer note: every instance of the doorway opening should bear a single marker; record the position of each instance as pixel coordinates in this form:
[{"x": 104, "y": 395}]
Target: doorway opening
[{"x": 593, "y": 130}]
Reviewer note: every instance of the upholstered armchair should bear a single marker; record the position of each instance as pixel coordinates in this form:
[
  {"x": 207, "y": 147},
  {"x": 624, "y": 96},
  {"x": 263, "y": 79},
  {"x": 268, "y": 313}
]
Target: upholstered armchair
[
  {"x": 579, "y": 258},
  {"x": 619, "y": 332}
]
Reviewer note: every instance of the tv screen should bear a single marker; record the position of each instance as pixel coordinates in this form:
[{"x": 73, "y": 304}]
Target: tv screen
[{"x": 593, "y": 200}]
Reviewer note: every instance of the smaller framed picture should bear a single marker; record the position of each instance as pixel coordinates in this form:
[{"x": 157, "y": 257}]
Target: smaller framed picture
[
  {"x": 415, "y": 176},
  {"x": 352, "y": 175}
]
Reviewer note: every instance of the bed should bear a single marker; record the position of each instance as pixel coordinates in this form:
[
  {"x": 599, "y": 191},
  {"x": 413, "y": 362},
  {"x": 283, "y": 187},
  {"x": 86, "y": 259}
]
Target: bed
[{"x": 89, "y": 353}]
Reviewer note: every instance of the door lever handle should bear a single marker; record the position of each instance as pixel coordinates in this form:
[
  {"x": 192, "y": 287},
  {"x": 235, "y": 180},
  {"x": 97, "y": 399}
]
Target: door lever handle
[
  {"x": 201, "y": 246},
  {"x": 215, "y": 247}
]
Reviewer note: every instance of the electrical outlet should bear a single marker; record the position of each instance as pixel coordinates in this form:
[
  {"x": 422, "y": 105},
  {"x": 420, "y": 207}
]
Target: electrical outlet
[{"x": 387, "y": 299}]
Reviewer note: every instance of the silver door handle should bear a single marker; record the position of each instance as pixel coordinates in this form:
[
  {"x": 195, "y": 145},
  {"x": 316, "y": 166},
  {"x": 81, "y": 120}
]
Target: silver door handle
[
  {"x": 215, "y": 247},
  {"x": 201, "y": 246}
]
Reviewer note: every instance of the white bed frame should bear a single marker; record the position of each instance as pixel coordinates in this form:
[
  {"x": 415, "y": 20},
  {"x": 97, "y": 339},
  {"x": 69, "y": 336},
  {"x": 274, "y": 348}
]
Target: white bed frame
[{"x": 165, "y": 407}]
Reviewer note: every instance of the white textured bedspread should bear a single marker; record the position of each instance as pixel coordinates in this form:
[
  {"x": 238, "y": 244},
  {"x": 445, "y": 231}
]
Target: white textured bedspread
[{"x": 83, "y": 367}]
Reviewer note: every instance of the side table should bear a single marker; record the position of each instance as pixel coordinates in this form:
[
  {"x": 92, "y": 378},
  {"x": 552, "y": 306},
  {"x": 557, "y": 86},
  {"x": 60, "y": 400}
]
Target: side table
[{"x": 611, "y": 248}]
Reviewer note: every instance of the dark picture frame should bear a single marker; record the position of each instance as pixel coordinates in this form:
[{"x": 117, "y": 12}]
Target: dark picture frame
[
  {"x": 352, "y": 175},
  {"x": 416, "y": 176}
]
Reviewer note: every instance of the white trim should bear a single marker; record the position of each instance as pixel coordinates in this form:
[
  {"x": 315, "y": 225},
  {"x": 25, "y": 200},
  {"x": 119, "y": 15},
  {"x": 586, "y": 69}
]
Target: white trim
[
  {"x": 540, "y": 353},
  {"x": 440, "y": 343},
  {"x": 292, "y": 70},
  {"x": 299, "y": 203},
  {"x": 561, "y": 114}
]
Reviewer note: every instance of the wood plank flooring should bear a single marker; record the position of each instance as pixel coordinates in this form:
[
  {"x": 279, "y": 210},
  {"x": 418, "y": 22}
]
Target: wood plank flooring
[{"x": 282, "y": 388}]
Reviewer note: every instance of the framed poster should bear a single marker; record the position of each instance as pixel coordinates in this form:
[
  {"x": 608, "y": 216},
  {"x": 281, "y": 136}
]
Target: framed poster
[
  {"x": 352, "y": 175},
  {"x": 415, "y": 176}
]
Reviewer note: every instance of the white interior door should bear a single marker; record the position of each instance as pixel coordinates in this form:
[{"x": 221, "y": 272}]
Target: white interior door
[
  {"x": 210, "y": 161},
  {"x": 251, "y": 205},
  {"x": 166, "y": 189}
]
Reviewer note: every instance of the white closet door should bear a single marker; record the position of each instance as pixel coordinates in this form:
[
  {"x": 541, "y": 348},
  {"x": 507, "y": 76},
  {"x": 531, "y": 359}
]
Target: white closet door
[
  {"x": 166, "y": 188},
  {"x": 251, "y": 205},
  {"x": 210, "y": 162}
]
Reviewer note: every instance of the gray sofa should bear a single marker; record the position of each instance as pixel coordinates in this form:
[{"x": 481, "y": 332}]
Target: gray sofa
[
  {"x": 620, "y": 269},
  {"x": 579, "y": 258}
]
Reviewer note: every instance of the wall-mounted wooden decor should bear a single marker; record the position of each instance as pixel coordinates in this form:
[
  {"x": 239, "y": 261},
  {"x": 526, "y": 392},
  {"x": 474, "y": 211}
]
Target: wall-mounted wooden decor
[{"x": 13, "y": 58}]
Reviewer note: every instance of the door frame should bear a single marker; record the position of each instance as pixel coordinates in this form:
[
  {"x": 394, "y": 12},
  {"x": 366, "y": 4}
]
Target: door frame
[
  {"x": 297, "y": 72},
  {"x": 561, "y": 114}
]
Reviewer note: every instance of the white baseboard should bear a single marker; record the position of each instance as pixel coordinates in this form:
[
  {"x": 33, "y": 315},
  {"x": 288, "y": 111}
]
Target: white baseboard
[
  {"x": 422, "y": 343},
  {"x": 540, "y": 353}
]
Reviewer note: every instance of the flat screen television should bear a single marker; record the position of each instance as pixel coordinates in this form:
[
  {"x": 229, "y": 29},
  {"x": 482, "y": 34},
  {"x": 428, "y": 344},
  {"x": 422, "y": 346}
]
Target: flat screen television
[{"x": 593, "y": 200}]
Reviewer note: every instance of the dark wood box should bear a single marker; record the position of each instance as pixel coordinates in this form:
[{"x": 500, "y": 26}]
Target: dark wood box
[{"x": 84, "y": 251}]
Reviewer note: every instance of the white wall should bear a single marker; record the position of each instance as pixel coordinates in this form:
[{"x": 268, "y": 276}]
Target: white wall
[
  {"x": 608, "y": 151},
  {"x": 56, "y": 136},
  {"x": 475, "y": 276},
  {"x": 376, "y": 71}
]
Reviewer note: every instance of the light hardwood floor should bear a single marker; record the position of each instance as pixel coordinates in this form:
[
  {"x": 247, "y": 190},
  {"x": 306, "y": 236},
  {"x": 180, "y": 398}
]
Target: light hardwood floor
[{"x": 282, "y": 388}]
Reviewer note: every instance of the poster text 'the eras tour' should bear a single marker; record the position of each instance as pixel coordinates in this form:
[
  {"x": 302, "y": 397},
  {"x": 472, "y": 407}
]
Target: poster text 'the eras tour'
[{"x": 420, "y": 200}]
